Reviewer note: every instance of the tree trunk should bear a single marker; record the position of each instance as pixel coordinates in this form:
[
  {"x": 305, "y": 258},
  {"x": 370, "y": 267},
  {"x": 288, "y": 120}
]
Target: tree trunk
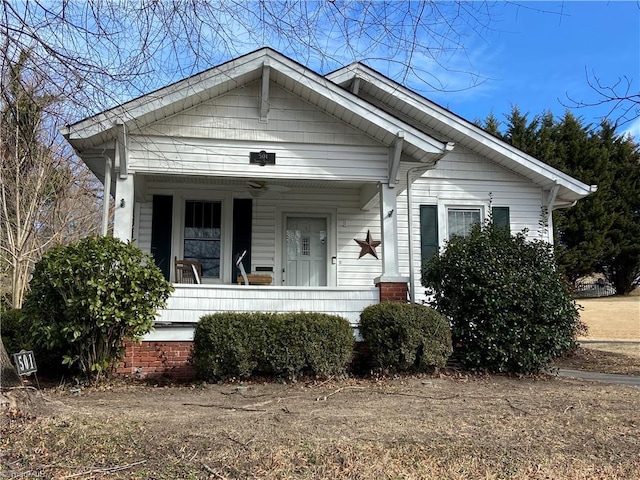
[{"x": 8, "y": 375}]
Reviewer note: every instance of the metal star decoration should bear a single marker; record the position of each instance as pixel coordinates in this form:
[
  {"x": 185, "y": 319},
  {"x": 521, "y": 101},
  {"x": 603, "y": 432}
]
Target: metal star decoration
[{"x": 368, "y": 246}]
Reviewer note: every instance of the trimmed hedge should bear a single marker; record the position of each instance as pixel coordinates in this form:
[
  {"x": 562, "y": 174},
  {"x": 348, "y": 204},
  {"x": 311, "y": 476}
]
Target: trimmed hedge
[
  {"x": 245, "y": 344},
  {"x": 406, "y": 337}
]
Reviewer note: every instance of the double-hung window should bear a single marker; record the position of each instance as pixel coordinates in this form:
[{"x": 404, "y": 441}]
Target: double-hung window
[
  {"x": 203, "y": 234},
  {"x": 461, "y": 220}
]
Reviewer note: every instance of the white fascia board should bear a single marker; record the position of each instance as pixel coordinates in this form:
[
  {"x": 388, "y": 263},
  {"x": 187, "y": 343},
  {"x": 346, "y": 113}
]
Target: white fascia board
[
  {"x": 345, "y": 74},
  {"x": 358, "y": 106},
  {"x": 134, "y": 109},
  {"x": 462, "y": 126},
  {"x": 176, "y": 92}
]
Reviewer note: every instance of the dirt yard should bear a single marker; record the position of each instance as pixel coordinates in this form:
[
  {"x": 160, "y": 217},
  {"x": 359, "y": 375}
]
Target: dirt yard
[
  {"x": 449, "y": 427},
  {"x": 612, "y": 344}
]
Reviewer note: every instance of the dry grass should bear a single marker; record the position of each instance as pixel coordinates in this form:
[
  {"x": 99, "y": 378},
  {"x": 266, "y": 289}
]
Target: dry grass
[
  {"x": 603, "y": 358},
  {"x": 611, "y": 318},
  {"x": 454, "y": 427},
  {"x": 445, "y": 427},
  {"x": 612, "y": 344}
]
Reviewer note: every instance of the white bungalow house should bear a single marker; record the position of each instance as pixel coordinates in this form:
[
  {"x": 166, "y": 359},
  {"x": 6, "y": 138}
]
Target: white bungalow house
[{"x": 312, "y": 176}]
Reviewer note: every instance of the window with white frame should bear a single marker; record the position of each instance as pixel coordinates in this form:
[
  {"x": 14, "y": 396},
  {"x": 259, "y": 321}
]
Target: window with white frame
[
  {"x": 461, "y": 220},
  {"x": 203, "y": 234}
]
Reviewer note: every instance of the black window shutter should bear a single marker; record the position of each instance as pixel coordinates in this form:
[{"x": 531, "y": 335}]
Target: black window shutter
[
  {"x": 242, "y": 219},
  {"x": 428, "y": 232},
  {"x": 500, "y": 217},
  {"x": 161, "y": 232}
]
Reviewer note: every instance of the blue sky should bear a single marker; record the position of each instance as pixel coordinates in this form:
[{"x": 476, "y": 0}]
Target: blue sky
[
  {"x": 537, "y": 55},
  {"x": 540, "y": 53},
  {"x": 472, "y": 58}
]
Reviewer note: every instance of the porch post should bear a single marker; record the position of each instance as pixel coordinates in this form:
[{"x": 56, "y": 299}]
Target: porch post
[
  {"x": 393, "y": 286},
  {"x": 106, "y": 196},
  {"x": 124, "y": 203}
]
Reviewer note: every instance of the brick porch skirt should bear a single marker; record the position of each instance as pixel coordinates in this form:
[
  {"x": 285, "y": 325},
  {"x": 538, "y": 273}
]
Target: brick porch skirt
[
  {"x": 169, "y": 359},
  {"x": 393, "y": 292},
  {"x": 157, "y": 359}
]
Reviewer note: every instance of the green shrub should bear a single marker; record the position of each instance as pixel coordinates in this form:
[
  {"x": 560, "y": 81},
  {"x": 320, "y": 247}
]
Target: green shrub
[
  {"x": 221, "y": 345},
  {"x": 509, "y": 308},
  {"x": 15, "y": 331},
  {"x": 405, "y": 337},
  {"x": 86, "y": 298},
  {"x": 16, "y": 336},
  {"x": 244, "y": 344},
  {"x": 329, "y": 345}
]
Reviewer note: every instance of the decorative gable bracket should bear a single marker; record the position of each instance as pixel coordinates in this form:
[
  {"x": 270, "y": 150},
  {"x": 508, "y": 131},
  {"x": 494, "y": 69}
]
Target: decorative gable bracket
[
  {"x": 121, "y": 150},
  {"x": 395, "y": 152},
  {"x": 264, "y": 92}
]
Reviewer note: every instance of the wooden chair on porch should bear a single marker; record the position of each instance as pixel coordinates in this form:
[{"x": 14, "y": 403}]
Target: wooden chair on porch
[{"x": 188, "y": 271}]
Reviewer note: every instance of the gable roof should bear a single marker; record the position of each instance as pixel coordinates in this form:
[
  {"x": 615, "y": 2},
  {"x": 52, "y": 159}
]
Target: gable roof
[
  {"x": 306, "y": 84},
  {"x": 381, "y": 108},
  {"x": 431, "y": 117}
]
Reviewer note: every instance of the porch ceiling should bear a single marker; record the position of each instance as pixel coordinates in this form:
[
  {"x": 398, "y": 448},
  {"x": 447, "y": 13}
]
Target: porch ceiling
[{"x": 242, "y": 182}]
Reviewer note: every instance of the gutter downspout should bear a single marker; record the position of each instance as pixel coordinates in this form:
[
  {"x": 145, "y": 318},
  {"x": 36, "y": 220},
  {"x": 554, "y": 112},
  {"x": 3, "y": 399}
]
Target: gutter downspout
[{"x": 412, "y": 284}]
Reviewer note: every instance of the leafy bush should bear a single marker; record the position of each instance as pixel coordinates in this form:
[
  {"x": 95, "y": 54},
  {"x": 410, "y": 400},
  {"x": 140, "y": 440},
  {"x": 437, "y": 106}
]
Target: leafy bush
[
  {"x": 15, "y": 331},
  {"x": 225, "y": 344},
  {"x": 86, "y": 298},
  {"x": 405, "y": 337},
  {"x": 245, "y": 344},
  {"x": 16, "y": 336},
  {"x": 509, "y": 308}
]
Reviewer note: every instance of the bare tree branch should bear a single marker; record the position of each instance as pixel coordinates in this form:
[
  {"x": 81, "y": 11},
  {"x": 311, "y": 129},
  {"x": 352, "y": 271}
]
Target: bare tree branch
[{"x": 621, "y": 98}]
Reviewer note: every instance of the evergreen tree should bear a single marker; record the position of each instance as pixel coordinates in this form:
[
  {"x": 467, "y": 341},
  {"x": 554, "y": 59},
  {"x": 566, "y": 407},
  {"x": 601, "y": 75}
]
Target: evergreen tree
[
  {"x": 491, "y": 125},
  {"x": 622, "y": 264},
  {"x": 601, "y": 233},
  {"x": 520, "y": 132},
  {"x": 581, "y": 231}
]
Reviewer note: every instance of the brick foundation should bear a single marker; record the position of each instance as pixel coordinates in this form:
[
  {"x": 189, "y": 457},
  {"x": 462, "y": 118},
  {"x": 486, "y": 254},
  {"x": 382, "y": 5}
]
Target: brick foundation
[
  {"x": 157, "y": 359},
  {"x": 170, "y": 358},
  {"x": 393, "y": 291}
]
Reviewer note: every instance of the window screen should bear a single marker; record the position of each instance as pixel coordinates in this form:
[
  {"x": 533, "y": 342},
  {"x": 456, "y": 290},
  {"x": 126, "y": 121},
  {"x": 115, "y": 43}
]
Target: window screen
[
  {"x": 460, "y": 220},
  {"x": 202, "y": 235}
]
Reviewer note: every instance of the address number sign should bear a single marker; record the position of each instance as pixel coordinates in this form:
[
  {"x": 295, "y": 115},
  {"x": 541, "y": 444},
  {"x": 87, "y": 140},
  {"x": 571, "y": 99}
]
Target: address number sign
[{"x": 25, "y": 362}]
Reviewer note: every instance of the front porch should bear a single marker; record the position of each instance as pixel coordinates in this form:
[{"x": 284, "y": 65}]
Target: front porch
[
  {"x": 165, "y": 351},
  {"x": 190, "y": 302}
]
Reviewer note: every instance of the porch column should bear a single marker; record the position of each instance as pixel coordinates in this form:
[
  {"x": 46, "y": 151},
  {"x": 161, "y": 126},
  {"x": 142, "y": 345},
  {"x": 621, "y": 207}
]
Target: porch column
[
  {"x": 106, "y": 196},
  {"x": 393, "y": 286},
  {"x": 124, "y": 203}
]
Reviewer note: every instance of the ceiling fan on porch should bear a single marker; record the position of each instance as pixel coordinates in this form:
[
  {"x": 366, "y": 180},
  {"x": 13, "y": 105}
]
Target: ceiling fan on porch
[{"x": 262, "y": 189}]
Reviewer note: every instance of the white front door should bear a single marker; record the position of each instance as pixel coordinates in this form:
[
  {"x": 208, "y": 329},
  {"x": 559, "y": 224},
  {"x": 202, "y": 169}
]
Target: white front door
[{"x": 306, "y": 249}]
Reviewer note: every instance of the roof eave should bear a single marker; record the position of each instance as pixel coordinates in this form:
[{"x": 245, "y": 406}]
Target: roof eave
[
  {"x": 471, "y": 132},
  {"x": 95, "y": 130}
]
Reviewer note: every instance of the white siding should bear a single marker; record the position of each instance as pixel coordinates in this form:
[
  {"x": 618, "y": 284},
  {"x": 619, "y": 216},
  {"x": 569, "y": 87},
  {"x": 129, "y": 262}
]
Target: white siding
[
  {"x": 350, "y": 223},
  {"x": 189, "y": 303},
  {"x": 228, "y": 158},
  {"x": 460, "y": 179},
  {"x": 236, "y": 116},
  {"x": 216, "y": 137},
  {"x": 343, "y": 204},
  {"x": 143, "y": 226},
  {"x": 464, "y": 179}
]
